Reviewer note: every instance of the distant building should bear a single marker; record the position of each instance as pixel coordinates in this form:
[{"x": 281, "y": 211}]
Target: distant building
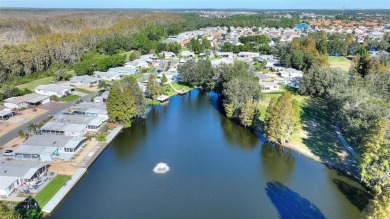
[
  {"x": 269, "y": 86},
  {"x": 102, "y": 98},
  {"x": 248, "y": 54},
  {"x": 58, "y": 90},
  {"x": 25, "y": 101},
  {"x": 122, "y": 70},
  {"x": 168, "y": 55},
  {"x": 218, "y": 62},
  {"x": 85, "y": 80},
  {"x": 110, "y": 76},
  {"x": 291, "y": 73},
  {"x": 15, "y": 173},
  {"x": 225, "y": 54},
  {"x": 187, "y": 54}
]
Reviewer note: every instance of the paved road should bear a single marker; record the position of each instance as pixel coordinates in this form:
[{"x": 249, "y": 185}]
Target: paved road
[{"x": 14, "y": 133}]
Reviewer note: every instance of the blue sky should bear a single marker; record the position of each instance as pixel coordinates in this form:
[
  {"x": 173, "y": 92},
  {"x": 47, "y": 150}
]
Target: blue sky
[{"x": 249, "y": 4}]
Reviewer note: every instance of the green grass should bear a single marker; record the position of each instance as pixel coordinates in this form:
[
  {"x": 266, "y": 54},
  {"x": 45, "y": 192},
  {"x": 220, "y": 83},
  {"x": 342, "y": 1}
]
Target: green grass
[
  {"x": 181, "y": 86},
  {"x": 44, "y": 196},
  {"x": 339, "y": 62},
  {"x": 168, "y": 90},
  {"x": 153, "y": 102},
  {"x": 33, "y": 84},
  {"x": 83, "y": 90},
  {"x": 69, "y": 98}
]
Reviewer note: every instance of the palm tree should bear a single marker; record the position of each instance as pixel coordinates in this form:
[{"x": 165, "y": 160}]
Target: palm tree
[{"x": 32, "y": 128}]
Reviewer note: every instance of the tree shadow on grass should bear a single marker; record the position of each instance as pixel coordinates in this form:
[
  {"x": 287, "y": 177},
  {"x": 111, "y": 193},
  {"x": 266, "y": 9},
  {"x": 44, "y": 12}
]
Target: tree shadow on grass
[
  {"x": 321, "y": 138},
  {"x": 290, "y": 204}
]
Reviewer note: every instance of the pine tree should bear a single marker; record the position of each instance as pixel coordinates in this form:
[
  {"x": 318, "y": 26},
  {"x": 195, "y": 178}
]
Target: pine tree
[
  {"x": 247, "y": 113},
  {"x": 297, "y": 115},
  {"x": 379, "y": 207},
  {"x": 153, "y": 87},
  {"x": 269, "y": 121}
]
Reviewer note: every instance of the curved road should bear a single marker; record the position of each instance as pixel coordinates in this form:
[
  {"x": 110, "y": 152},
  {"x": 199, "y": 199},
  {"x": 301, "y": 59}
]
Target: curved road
[{"x": 14, "y": 132}]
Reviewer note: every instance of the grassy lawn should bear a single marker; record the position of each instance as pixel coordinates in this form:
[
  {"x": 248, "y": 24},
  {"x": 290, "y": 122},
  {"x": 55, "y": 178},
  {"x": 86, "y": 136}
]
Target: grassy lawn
[
  {"x": 180, "y": 86},
  {"x": 152, "y": 102},
  {"x": 168, "y": 90},
  {"x": 33, "y": 84},
  {"x": 83, "y": 90},
  {"x": 339, "y": 62},
  {"x": 318, "y": 133},
  {"x": 44, "y": 196},
  {"x": 69, "y": 98}
]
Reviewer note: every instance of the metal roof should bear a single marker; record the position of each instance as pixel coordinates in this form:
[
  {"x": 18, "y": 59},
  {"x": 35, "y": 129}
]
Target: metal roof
[
  {"x": 78, "y": 119},
  {"x": 54, "y": 87},
  {"x": 63, "y": 127},
  {"x": 30, "y": 98},
  {"x": 5, "y": 113},
  {"x": 18, "y": 168}
]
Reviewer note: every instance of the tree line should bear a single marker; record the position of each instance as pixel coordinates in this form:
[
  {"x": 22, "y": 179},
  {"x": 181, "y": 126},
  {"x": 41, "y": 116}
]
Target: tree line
[{"x": 359, "y": 104}]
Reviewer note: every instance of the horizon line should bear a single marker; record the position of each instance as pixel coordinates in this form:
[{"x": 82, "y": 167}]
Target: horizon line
[{"x": 245, "y": 9}]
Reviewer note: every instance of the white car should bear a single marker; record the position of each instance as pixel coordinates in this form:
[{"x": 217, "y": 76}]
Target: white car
[{"x": 8, "y": 153}]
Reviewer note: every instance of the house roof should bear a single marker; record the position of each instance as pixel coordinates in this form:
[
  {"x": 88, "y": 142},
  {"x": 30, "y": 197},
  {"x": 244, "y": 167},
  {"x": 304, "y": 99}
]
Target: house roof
[
  {"x": 268, "y": 84},
  {"x": 63, "y": 127},
  {"x": 30, "y": 98},
  {"x": 83, "y": 79},
  {"x": 105, "y": 74},
  {"x": 47, "y": 144},
  {"x": 54, "y": 87},
  {"x": 19, "y": 169},
  {"x": 5, "y": 113},
  {"x": 78, "y": 119}
]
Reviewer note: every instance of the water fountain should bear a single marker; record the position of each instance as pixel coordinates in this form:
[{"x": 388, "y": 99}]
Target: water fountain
[{"x": 161, "y": 168}]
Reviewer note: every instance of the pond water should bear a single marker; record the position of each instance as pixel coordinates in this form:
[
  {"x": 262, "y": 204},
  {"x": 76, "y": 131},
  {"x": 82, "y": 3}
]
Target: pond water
[{"x": 217, "y": 169}]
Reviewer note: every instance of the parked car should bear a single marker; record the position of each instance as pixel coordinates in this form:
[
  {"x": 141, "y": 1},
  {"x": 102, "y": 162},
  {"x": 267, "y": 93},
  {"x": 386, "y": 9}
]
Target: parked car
[{"x": 8, "y": 153}]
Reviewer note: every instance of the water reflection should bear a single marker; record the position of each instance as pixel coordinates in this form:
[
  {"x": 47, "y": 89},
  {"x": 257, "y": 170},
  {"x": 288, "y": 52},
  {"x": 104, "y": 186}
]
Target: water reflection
[
  {"x": 237, "y": 135},
  {"x": 123, "y": 145},
  {"x": 277, "y": 162},
  {"x": 356, "y": 196},
  {"x": 290, "y": 204}
]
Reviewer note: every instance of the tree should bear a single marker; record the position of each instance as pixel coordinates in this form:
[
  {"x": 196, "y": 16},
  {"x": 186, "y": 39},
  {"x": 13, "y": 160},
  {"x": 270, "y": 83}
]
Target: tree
[
  {"x": 153, "y": 87},
  {"x": 164, "y": 79},
  {"x": 322, "y": 45},
  {"x": 199, "y": 74},
  {"x": 379, "y": 207},
  {"x": 296, "y": 115},
  {"x": 374, "y": 163},
  {"x": 318, "y": 81},
  {"x": 247, "y": 113},
  {"x": 8, "y": 212},
  {"x": 32, "y": 128},
  {"x": 280, "y": 121},
  {"x": 134, "y": 55},
  {"x": 125, "y": 101}
]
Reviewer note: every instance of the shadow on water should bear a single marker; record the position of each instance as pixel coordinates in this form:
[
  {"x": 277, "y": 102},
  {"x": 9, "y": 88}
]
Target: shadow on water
[
  {"x": 290, "y": 204},
  {"x": 356, "y": 196},
  {"x": 277, "y": 162}
]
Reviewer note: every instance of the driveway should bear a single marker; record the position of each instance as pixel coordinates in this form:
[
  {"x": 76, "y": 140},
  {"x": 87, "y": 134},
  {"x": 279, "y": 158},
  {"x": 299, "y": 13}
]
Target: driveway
[{"x": 53, "y": 109}]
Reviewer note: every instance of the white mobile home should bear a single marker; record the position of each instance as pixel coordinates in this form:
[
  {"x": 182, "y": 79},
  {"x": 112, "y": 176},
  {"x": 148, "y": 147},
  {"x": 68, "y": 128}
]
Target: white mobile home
[{"x": 58, "y": 90}]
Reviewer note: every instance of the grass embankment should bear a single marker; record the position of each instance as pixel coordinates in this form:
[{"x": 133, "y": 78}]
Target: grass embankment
[
  {"x": 33, "y": 84},
  {"x": 181, "y": 86},
  {"x": 44, "y": 196},
  {"x": 83, "y": 90},
  {"x": 317, "y": 139},
  {"x": 339, "y": 62},
  {"x": 69, "y": 98}
]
